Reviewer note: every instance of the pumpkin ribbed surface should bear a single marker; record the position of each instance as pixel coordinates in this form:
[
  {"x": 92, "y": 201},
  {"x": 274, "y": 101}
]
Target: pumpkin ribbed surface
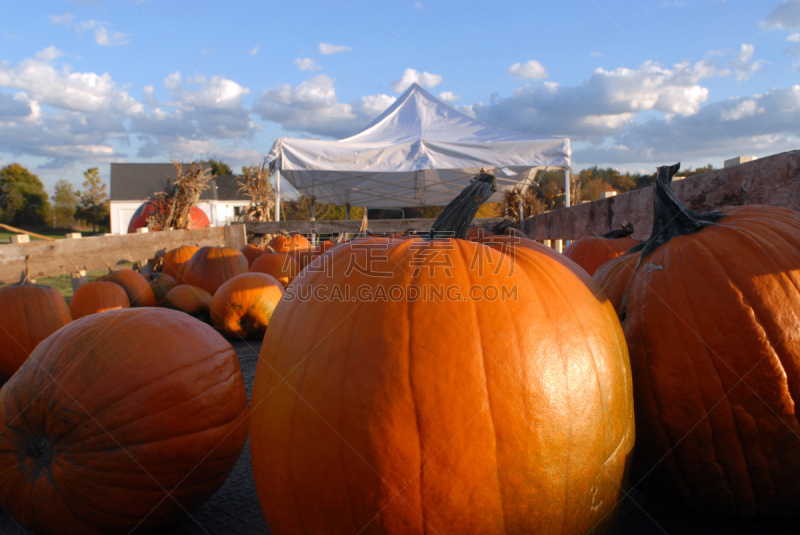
[
  {"x": 97, "y": 296},
  {"x": 712, "y": 325},
  {"x": 29, "y": 313},
  {"x": 284, "y": 244},
  {"x": 174, "y": 259},
  {"x": 161, "y": 283},
  {"x": 614, "y": 277},
  {"x": 251, "y": 252},
  {"x": 591, "y": 252},
  {"x": 122, "y": 408},
  {"x": 135, "y": 285},
  {"x": 243, "y": 306},
  {"x": 279, "y": 265},
  {"x": 189, "y": 299},
  {"x": 210, "y": 267},
  {"x": 448, "y": 415}
]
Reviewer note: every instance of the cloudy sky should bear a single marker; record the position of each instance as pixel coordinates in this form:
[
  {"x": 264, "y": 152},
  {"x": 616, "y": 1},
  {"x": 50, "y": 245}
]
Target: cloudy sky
[{"x": 634, "y": 84}]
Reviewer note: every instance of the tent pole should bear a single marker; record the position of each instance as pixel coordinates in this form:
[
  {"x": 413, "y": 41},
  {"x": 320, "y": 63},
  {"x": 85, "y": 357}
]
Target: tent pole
[
  {"x": 347, "y": 212},
  {"x": 521, "y": 215},
  {"x": 278, "y": 191},
  {"x": 313, "y": 218},
  {"x": 566, "y": 186}
]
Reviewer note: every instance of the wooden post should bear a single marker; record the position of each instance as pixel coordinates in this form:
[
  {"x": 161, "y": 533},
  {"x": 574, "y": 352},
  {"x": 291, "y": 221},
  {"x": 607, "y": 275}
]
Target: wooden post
[
  {"x": 235, "y": 236},
  {"x": 558, "y": 245},
  {"x": 548, "y": 243},
  {"x": 20, "y": 238},
  {"x": 142, "y": 230},
  {"x": 73, "y": 235},
  {"x": 78, "y": 278}
]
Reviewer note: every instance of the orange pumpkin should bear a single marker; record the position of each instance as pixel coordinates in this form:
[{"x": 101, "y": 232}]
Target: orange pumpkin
[
  {"x": 251, "y": 252},
  {"x": 97, "y": 296},
  {"x": 460, "y": 412},
  {"x": 161, "y": 283},
  {"x": 29, "y": 313},
  {"x": 145, "y": 422},
  {"x": 210, "y": 267},
  {"x": 614, "y": 277},
  {"x": 243, "y": 306},
  {"x": 279, "y": 265},
  {"x": 174, "y": 260},
  {"x": 189, "y": 299},
  {"x": 591, "y": 252},
  {"x": 711, "y": 320},
  {"x": 284, "y": 244},
  {"x": 135, "y": 285}
]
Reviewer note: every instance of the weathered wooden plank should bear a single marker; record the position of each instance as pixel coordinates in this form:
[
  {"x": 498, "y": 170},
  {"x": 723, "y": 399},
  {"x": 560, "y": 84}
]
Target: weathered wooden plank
[
  {"x": 774, "y": 181},
  {"x": 377, "y": 226},
  {"x": 49, "y": 258}
]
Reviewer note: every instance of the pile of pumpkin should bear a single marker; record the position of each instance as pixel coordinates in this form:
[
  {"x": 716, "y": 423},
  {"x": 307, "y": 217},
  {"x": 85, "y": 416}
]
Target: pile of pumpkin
[{"x": 401, "y": 415}]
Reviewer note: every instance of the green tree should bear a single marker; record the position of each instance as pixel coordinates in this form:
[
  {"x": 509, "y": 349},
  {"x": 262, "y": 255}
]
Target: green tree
[
  {"x": 93, "y": 205},
  {"x": 219, "y": 168},
  {"x": 23, "y": 201},
  {"x": 65, "y": 202}
]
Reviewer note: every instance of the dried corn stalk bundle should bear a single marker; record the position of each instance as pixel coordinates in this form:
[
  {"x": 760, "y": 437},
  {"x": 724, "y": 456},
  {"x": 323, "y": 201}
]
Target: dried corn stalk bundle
[
  {"x": 255, "y": 184},
  {"x": 174, "y": 204}
]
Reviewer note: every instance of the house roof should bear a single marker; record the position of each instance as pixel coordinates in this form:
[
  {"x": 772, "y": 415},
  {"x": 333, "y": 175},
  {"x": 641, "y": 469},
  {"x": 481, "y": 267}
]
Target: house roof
[{"x": 140, "y": 181}]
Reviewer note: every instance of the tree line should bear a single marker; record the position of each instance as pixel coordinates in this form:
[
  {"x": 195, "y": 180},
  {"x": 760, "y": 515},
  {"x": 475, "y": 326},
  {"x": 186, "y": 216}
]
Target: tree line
[{"x": 24, "y": 203}]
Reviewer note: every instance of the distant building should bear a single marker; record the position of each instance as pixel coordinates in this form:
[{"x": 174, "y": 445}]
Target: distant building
[{"x": 134, "y": 183}]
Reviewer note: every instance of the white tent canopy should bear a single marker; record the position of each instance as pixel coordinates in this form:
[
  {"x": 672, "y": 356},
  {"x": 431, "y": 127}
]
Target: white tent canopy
[{"x": 419, "y": 152}]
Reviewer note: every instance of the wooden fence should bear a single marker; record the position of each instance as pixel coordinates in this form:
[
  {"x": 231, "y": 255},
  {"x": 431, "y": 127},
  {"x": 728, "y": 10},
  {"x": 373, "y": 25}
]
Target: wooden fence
[
  {"x": 49, "y": 258},
  {"x": 774, "y": 181}
]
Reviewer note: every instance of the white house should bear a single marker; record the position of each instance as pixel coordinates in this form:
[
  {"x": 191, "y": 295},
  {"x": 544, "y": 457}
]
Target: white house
[{"x": 133, "y": 183}]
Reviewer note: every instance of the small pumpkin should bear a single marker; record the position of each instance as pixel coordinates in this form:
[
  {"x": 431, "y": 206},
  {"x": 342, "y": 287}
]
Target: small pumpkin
[
  {"x": 279, "y": 265},
  {"x": 97, "y": 296},
  {"x": 174, "y": 259},
  {"x": 135, "y": 285},
  {"x": 210, "y": 267},
  {"x": 591, "y": 252},
  {"x": 292, "y": 242},
  {"x": 192, "y": 300},
  {"x": 243, "y": 306},
  {"x": 29, "y": 313},
  {"x": 711, "y": 322},
  {"x": 251, "y": 252},
  {"x": 161, "y": 283},
  {"x": 145, "y": 421},
  {"x": 489, "y": 416}
]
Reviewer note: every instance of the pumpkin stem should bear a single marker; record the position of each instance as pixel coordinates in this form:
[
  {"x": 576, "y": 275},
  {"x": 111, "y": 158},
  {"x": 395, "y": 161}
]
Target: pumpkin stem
[
  {"x": 456, "y": 217},
  {"x": 26, "y": 276},
  {"x": 671, "y": 218},
  {"x": 624, "y": 232},
  {"x": 503, "y": 226},
  {"x": 110, "y": 271}
]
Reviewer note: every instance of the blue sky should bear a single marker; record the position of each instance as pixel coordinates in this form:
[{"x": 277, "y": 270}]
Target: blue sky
[{"x": 634, "y": 84}]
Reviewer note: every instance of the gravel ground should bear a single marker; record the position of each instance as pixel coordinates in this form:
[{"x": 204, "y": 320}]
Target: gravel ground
[{"x": 234, "y": 509}]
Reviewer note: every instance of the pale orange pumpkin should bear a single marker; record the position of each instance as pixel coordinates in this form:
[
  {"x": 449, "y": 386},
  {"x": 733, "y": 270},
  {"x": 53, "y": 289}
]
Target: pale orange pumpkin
[
  {"x": 174, "y": 259},
  {"x": 243, "y": 306},
  {"x": 279, "y": 265},
  {"x": 210, "y": 267}
]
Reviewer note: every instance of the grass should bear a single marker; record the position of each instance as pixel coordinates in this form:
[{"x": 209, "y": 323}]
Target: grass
[{"x": 63, "y": 283}]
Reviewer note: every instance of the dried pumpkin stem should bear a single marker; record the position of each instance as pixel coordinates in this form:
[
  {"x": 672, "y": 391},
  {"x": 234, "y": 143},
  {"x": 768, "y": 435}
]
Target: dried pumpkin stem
[
  {"x": 457, "y": 216},
  {"x": 624, "y": 232},
  {"x": 26, "y": 277}
]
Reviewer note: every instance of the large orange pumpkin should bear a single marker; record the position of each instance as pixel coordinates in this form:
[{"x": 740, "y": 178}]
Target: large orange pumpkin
[
  {"x": 29, "y": 313},
  {"x": 97, "y": 296},
  {"x": 145, "y": 421},
  {"x": 457, "y": 412},
  {"x": 210, "y": 267},
  {"x": 243, "y": 306},
  {"x": 279, "y": 265},
  {"x": 161, "y": 283},
  {"x": 174, "y": 259},
  {"x": 712, "y": 324},
  {"x": 189, "y": 299},
  {"x": 591, "y": 252},
  {"x": 284, "y": 244},
  {"x": 251, "y": 252},
  {"x": 135, "y": 285},
  {"x": 614, "y": 277}
]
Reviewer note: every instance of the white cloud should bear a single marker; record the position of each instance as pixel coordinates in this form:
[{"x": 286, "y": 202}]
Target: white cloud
[
  {"x": 745, "y": 108},
  {"x": 254, "y": 50},
  {"x": 205, "y": 52},
  {"x": 65, "y": 19},
  {"x": 448, "y": 96},
  {"x": 794, "y": 38},
  {"x": 411, "y": 76},
  {"x": 786, "y": 15},
  {"x": 419, "y": 5},
  {"x": 104, "y": 37},
  {"x": 597, "y": 55},
  {"x": 530, "y": 69},
  {"x": 312, "y": 107},
  {"x": 742, "y": 64},
  {"x": 326, "y": 48},
  {"x": 307, "y": 64}
]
